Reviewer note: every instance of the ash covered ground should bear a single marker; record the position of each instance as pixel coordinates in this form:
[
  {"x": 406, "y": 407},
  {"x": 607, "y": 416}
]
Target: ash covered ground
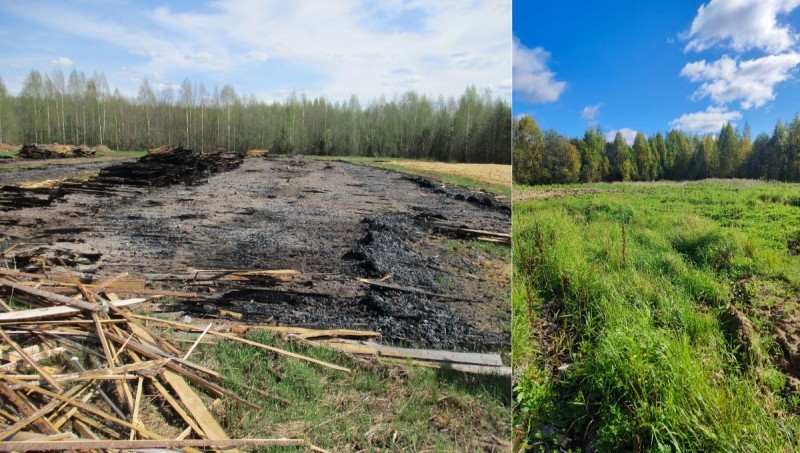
[{"x": 334, "y": 222}]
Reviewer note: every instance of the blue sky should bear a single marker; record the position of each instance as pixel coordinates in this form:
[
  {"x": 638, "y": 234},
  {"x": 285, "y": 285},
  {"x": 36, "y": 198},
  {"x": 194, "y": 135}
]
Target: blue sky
[
  {"x": 266, "y": 47},
  {"x": 656, "y": 65}
]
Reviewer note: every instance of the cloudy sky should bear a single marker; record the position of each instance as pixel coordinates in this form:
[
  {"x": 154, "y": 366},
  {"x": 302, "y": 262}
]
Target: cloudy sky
[
  {"x": 657, "y": 65},
  {"x": 266, "y": 47}
]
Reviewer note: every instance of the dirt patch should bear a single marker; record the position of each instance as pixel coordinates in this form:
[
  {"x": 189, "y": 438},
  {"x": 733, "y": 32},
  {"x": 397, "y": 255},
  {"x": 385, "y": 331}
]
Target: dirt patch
[
  {"x": 778, "y": 308},
  {"x": 793, "y": 242},
  {"x": 332, "y": 221},
  {"x": 490, "y": 173},
  {"x": 741, "y": 335},
  {"x": 544, "y": 194}
]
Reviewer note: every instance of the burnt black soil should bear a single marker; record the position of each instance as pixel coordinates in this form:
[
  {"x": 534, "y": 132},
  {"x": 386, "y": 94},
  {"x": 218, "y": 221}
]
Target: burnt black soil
[{"x": 335, "y": 222}]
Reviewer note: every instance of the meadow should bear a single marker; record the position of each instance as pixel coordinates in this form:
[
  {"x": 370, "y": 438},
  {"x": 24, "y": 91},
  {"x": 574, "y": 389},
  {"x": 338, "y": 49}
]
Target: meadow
[{"x": 657, "y": 316}]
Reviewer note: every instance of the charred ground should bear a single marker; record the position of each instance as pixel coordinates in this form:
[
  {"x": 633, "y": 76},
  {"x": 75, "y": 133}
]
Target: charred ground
[{"x": 334, "y": 222}]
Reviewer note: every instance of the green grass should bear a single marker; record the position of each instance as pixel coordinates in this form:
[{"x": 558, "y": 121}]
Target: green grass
[
  {"x": 377, "y": 407},
  {"x": 619, "y": 342},
  {"x": 446, "y": 178}
]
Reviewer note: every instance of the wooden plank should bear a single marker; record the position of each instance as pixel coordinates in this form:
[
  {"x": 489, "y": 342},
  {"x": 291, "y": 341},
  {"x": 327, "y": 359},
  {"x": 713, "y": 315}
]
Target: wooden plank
[
  {"x": 14, "y": 357},
  {"x": 56, "y": 312},
  {"x": 46, "y": 354},
  {"x": 317, "y": 333},
  {"x": 51, "y": 297},
  {"x": 37, "y": 417},
  {"x": 42, "y": 372},
  {"x": 504, "y": 371},
  {"x": 431, "y": 355},
  {"x": 26, "y": 408},
  {"x": 191, "y": 400},
  {"x": 85, "y": 407},
  {"x": 246, "y": 341},
  {"x": 177, "y": 407},
  {"x": 407, "y": 289}
]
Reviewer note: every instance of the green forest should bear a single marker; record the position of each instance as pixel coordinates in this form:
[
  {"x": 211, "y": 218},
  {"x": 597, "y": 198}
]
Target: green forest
[
  {"x": 546, "y": 157},
  {"x": 54, "y": 107}
]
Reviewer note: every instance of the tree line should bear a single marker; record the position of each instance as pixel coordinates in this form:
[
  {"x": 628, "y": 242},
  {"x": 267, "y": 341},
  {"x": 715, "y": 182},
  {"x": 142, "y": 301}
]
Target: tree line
[
  {"x": 546, "y": 157},
  {"x": 77, "y": 109}
]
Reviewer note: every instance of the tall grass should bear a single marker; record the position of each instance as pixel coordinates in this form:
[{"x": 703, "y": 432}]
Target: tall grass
[{"x": 634, "y": 282}]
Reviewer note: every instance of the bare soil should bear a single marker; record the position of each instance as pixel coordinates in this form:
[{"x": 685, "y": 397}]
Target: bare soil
[{"x": 335, "y": 222}]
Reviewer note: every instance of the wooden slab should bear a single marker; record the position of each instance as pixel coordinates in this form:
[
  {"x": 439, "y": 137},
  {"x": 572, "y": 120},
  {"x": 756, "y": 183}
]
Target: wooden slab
[
  {"x": 430, "y": 355},
  {"x": 56, "y": 312}
]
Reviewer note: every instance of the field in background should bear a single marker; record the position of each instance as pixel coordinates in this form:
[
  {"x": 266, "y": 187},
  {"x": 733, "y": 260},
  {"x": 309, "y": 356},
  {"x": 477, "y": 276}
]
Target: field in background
[
  {"x": 658, "y": 316},
  {"x": 493, "y": 178}
]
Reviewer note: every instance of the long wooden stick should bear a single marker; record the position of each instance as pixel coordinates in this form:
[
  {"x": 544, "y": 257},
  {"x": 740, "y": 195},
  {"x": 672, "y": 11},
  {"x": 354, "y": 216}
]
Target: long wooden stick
[
  {"x": 86, "y": 407},
  {"x": 51, "y": 297},
  {"x": 55, "y": 312},
  {"x": 189, "y": 352},
  {"x": 136, "y": 403},
  {"x": 36, "y": 417},
  {"x": 177, "y": 407},
  {"x": 173, "y": 365},
  {"x": 45, "y": 375},
  {"x": 246, "y": 341},
  {"x": 26, "y": 408}
]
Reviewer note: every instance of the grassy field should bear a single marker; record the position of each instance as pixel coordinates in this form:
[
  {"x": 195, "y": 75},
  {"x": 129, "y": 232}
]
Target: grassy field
[
  {"x": 377, "y": 407},
  {"x": 657, "y": 317},
  {"x": 490, "y": 177}
]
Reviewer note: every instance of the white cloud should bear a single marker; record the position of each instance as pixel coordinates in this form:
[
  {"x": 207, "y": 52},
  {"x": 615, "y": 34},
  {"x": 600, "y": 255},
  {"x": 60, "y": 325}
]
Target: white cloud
[
  {"x": 258, "y": 55},
  {"x": 628, "y": 134},
  {"x": 708, "y": 122},
  {"x": 533, "y": 79},
  {"x": 751, "y": 82},
  {"x": 61, "y": 62},
  {"x": 320, "y": 48},
  {"x": 590, "y": 112},
  {"x": 742, "y": 25}
]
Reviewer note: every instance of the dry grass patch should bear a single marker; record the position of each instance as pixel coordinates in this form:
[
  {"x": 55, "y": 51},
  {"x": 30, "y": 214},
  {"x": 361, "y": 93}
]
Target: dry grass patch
[{"x": 489, "y": 173}]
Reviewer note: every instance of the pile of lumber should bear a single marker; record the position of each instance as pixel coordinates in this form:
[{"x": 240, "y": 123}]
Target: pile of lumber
[
  {"x": 74, "y": 366},
  {"x": 54, "y": 151},
  {"x": 464, "y": 232},
  {"x": 168, "y": 165}
]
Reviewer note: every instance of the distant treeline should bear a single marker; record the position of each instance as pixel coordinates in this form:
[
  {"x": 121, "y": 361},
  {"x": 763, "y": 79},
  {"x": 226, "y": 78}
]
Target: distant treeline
[
  {"x": 83, "y": 110},
  {"x": 545, "y": 157}
]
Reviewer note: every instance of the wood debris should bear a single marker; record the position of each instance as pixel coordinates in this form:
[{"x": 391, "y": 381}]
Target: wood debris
[
  {"x": 471, "y": 233},
  {"x": 74, "y": 367},
  {"x": 54, "y": 151}
]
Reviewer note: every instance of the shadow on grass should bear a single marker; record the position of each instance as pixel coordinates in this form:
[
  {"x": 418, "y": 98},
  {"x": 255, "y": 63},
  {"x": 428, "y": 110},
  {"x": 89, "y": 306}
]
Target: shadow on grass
[{"x": 497, "y": 387}]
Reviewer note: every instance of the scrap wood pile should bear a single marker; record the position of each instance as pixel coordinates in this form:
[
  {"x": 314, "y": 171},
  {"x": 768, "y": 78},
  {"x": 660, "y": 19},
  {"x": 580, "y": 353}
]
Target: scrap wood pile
[
  {"x": 54, "y": 151},
  {"x": 168, "y": 165},
  {"x": 463, "y": 232},
  {"x": 75, "y": 368}
]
